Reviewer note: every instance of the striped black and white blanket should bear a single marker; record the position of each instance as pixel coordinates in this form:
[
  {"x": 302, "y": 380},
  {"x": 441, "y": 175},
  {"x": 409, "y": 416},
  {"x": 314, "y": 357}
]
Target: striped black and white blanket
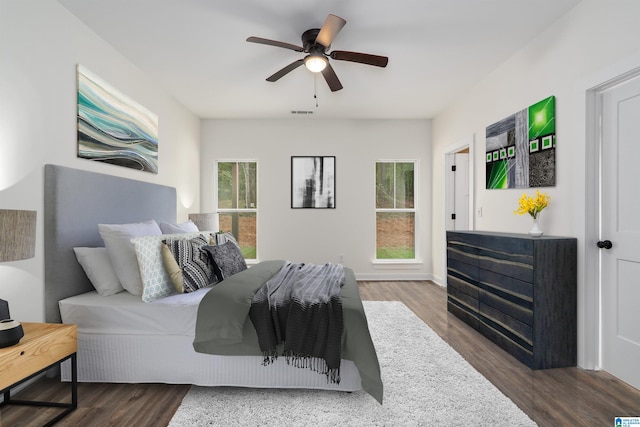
[{"x": 298, "y": 313}]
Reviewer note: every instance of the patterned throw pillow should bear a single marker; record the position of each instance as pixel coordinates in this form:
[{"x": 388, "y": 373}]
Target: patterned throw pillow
[
  {"x": 172, "y": 268},
  {"x": 193, "y": 261},
  {"x": 227, "y": 259},
  {"x": 148, "y": 250}
]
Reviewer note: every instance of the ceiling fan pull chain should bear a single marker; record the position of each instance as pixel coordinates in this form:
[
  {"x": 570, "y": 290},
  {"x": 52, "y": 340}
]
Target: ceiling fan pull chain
[{"x": 315, "y": 88}]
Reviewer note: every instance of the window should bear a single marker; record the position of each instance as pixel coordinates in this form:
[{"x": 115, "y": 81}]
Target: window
[
  {"x": 237, "y": 203},
  {"x": 395, "y": 210}
]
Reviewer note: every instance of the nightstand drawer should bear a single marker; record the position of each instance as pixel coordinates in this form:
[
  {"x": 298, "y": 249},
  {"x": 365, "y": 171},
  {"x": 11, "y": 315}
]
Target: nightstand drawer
[{"x": 43, "y": 345}]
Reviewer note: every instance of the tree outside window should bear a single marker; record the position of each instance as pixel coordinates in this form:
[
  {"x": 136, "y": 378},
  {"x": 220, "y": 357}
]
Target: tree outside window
[{"x": 395, "y": 210}]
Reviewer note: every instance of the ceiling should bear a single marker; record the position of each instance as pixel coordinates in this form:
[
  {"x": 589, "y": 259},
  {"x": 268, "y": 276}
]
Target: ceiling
[{"x": 437, "y": 49}]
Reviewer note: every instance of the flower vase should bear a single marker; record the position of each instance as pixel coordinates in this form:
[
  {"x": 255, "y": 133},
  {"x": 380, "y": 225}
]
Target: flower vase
[{"x": 535, "y": 230}]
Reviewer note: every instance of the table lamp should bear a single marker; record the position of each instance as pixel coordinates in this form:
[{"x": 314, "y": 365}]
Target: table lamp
[
  {"x": 17, "y": 242},
  {"x": 205, "y": 221}
]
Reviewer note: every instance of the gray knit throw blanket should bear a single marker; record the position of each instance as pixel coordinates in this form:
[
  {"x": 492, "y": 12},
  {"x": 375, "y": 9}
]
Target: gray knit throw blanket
[{"x": 298, "y": 313}]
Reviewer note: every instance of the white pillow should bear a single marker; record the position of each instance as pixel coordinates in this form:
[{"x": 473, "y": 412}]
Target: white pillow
[
  {"x": 117, "y": 239},
  {"x": 155, "y": 280},
  {"x": 185, "y": 227},
  {"x": 95, "y": 263}
]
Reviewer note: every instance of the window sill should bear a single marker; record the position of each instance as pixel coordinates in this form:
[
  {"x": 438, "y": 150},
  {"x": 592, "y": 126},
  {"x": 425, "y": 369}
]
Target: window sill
[{"x": 396, "y": 264}]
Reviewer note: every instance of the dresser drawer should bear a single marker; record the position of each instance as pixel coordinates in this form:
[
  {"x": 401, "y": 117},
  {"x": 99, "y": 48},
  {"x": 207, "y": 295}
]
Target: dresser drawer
[
  {"x": 463, "y": 253},
  {"x": 461, "y": 285},
  {"x": 511, "y": 257},
  {"x": 512, "y": 309},
  {"x": 464, "y": 294},
  {"x": 515, "y": 329},
  {"x": 513, "y": 265},
  {"x": 462, "y": 270},
  {"x": 520, "y": 352},
  {"x": 506, "y": 286}
]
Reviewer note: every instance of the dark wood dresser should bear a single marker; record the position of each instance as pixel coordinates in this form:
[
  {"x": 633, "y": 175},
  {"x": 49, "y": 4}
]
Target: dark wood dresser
[{"x": 518, "y": 291}]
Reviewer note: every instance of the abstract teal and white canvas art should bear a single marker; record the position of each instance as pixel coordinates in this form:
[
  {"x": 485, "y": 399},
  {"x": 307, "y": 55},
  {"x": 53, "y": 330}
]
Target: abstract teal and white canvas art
[
  {"x": 113, "y": 128},
  {"x": 521, "y": 148}
]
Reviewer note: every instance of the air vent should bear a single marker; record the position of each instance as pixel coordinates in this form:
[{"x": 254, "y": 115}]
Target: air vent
[{"x": 301, "y": 112}]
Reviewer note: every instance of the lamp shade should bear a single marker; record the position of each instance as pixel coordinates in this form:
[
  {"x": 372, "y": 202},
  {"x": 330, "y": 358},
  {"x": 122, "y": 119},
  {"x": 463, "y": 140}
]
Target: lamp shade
[
  {"x": 17, "y": 235},
  {"x": 205, "y": 221}
]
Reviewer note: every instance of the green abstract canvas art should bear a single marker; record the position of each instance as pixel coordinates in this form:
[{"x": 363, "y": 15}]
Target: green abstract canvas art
[{"x": 521, "y": 148}]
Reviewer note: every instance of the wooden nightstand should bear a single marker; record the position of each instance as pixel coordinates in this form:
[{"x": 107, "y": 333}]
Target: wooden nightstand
[{"x": 43, "y": 346}]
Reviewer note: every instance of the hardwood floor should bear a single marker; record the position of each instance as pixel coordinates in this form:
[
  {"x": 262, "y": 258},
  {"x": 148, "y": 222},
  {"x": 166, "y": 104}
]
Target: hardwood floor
[
  {"x": 555, "y": 397},
  {"x": 552, "y": 397}
]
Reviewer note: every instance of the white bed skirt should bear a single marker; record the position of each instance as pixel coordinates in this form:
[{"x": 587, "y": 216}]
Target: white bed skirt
[{"x": 171, "y": 359}]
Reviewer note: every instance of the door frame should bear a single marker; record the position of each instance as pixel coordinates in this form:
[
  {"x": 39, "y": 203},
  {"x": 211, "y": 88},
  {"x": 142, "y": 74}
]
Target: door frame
[
  {"x": 593, "y": 271},
  {"x": 463, "y": 144}
]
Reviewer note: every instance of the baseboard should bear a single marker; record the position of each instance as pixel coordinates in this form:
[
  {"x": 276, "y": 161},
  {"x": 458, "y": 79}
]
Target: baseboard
[
  {"x": 395, "y": 276},
  {"x": 439, "y": 281}
]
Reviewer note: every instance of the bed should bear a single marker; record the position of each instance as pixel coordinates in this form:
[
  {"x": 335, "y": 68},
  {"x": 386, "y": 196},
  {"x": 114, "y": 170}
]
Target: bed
[{"x": 122, "y": 339}]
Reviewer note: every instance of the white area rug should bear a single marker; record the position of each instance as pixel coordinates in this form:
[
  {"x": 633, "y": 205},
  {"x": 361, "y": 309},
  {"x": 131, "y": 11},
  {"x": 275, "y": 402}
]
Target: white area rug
[{"x": 426, "y": 382}]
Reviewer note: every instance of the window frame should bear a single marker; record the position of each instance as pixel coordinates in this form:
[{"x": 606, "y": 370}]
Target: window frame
[
  {"x": 413, "y": 210},
  {"x": 254, "y": 210}
]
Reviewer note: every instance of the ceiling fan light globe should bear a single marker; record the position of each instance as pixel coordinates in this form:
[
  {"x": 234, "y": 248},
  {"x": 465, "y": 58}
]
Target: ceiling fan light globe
[{"x": 315, "y": 63}]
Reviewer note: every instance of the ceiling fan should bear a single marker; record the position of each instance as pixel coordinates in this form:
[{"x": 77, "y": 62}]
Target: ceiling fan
[{"x": 316, "y": 43}]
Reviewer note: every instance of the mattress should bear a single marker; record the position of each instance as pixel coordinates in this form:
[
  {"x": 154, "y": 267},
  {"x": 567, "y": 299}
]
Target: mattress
[
  {"x": 124, "y": 340},
  {"x": 124, "y": 313}
]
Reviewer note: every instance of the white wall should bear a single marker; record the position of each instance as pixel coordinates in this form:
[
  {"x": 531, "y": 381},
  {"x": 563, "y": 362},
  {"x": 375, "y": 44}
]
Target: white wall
[
  {"x": 40, "y": 46},
  {"x": 591, "y": 38},
  {"x": 320, "y": 235}
]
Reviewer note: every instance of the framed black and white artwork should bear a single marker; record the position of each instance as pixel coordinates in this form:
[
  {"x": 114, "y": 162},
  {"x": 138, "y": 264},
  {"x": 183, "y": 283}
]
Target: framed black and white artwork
[{"x": 313, "y": 182}]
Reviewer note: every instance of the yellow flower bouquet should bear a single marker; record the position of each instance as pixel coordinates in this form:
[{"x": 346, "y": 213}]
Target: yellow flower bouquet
[{"x": 532, "y": 205}]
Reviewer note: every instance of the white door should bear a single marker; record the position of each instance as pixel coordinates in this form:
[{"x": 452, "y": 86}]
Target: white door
[
  {"x": 457, "y": 195},
  {"x": 620, "y": 225},
  {"x": 461, "y": 191}
]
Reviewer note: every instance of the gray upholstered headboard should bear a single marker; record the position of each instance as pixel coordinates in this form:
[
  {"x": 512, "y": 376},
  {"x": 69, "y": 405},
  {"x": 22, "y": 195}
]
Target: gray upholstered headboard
[{"x": 75, "y": 202}]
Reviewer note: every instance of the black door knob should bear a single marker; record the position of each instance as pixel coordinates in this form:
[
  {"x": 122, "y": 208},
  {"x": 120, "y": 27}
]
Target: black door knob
[{"x": 605, "y": 244}]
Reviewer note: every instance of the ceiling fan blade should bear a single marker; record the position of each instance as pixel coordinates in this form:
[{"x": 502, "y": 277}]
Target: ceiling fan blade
[
  {"x": 331, "y": 27},
  {"x": 362, "y": 58},
  {"x": 331, "y": 78},
  {"x": 286, "y": 70},
  {"x": 275, "y": 43}
]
